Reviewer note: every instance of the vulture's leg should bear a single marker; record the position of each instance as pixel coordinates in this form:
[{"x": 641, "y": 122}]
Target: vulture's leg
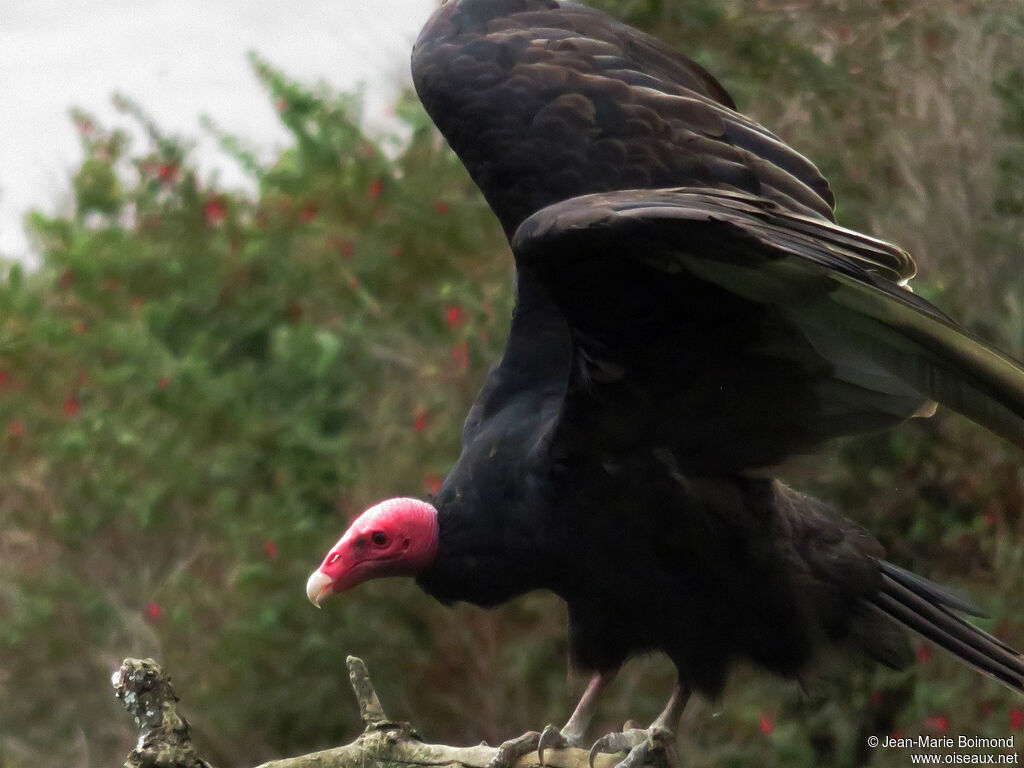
[
  {"x": 570, "y": 736},
  {"x": 659, "y": 737}
]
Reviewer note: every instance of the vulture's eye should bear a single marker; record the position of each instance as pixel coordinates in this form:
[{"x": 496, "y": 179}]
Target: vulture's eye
[{"x": 379, "y": 538}]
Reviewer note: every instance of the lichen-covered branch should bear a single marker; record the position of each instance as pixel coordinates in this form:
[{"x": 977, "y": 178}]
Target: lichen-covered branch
[
  {"x": 164, "y": 740},
  {"x": 369, "y": 705}
]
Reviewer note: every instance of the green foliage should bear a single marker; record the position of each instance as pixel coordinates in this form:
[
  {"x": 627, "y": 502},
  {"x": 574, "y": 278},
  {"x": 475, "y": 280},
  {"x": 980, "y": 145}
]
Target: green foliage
[{"x": 200, "y": 386}]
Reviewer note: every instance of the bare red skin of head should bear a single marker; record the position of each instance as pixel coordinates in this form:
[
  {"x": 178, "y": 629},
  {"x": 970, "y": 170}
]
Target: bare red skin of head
[{"x": 397, "y": 537}]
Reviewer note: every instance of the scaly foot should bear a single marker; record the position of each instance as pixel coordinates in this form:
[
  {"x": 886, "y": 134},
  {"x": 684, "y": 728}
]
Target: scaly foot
[
  {"x": 509, "y": 752},
  {"x": 553, "y": 738},
  {"x": 655, "y": 743}
]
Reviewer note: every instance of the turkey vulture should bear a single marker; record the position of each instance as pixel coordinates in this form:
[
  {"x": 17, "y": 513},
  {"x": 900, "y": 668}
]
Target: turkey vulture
[{"x": 688, "y": 315}]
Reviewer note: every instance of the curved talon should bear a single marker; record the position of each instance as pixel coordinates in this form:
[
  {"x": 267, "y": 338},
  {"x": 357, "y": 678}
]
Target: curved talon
[
  {"x": 616, "y": 741},
  {"x": 638, "y": 742},
  {"x": 513, "y": 749},
  {"x": 551, "y": 738}
]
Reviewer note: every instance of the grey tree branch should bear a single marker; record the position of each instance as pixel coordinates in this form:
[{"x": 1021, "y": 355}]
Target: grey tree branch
[
  {"x": 164, "y": 740},
  {"x": 369, "y": 705}
]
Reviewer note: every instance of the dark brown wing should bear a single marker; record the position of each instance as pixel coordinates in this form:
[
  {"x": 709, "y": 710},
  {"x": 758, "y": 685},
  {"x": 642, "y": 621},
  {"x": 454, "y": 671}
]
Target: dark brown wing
[
  {"x": 546, "y": 100},
  {"x": 746, "y": 332}
]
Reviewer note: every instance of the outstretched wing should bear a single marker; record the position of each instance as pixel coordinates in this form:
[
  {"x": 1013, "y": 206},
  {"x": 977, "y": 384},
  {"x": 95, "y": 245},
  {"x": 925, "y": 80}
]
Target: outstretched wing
[
  {"x": 742, "y": 332},
  {"x": 545, "y": 100}
]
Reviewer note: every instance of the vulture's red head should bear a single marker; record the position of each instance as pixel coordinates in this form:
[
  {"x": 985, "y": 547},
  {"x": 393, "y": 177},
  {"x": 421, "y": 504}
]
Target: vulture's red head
[{"x": 397, "y": 537}]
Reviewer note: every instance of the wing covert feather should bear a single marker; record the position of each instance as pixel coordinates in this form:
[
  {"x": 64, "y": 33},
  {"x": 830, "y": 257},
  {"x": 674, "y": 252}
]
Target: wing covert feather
[
  {"x": 546, "y": 100},
  {"x": 843, "y": 291}
]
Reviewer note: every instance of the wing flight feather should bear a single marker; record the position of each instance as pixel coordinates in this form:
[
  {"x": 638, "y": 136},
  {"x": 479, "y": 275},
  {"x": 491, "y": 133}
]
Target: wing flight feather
[{"x": 843, "y": 291}]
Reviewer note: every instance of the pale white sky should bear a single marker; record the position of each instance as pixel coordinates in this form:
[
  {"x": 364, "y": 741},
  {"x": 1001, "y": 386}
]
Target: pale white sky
[{"x": 178, "y": 60}]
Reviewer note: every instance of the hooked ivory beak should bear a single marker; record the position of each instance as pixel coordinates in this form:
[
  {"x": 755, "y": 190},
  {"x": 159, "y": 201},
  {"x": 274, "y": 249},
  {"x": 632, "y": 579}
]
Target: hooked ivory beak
[{"x": 318, "y": 587}]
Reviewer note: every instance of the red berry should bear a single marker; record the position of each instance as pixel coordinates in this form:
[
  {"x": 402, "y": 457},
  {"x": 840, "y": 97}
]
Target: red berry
[
  {"x": 168, "y": 172},
  {"x": 72, "y": 407},
  {"x": 215, "y": 210},
  {"x": 454, "y": 316},
  {"x": 766, "y": 724},
  {"x": 375, "y": 187},
  {"x": 419, "y": 419},
  {"x": 270, "y": 547},
  {"x": 154, "y": 611}
]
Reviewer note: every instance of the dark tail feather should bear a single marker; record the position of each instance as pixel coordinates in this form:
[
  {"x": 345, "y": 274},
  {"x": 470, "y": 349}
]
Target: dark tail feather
[
  {"x": 931, "y": 591},
  {"x": 926, "y": 608}
]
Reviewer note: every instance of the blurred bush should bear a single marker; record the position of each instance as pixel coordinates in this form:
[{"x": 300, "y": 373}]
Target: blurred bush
[{"x": 200, "y": 386}]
